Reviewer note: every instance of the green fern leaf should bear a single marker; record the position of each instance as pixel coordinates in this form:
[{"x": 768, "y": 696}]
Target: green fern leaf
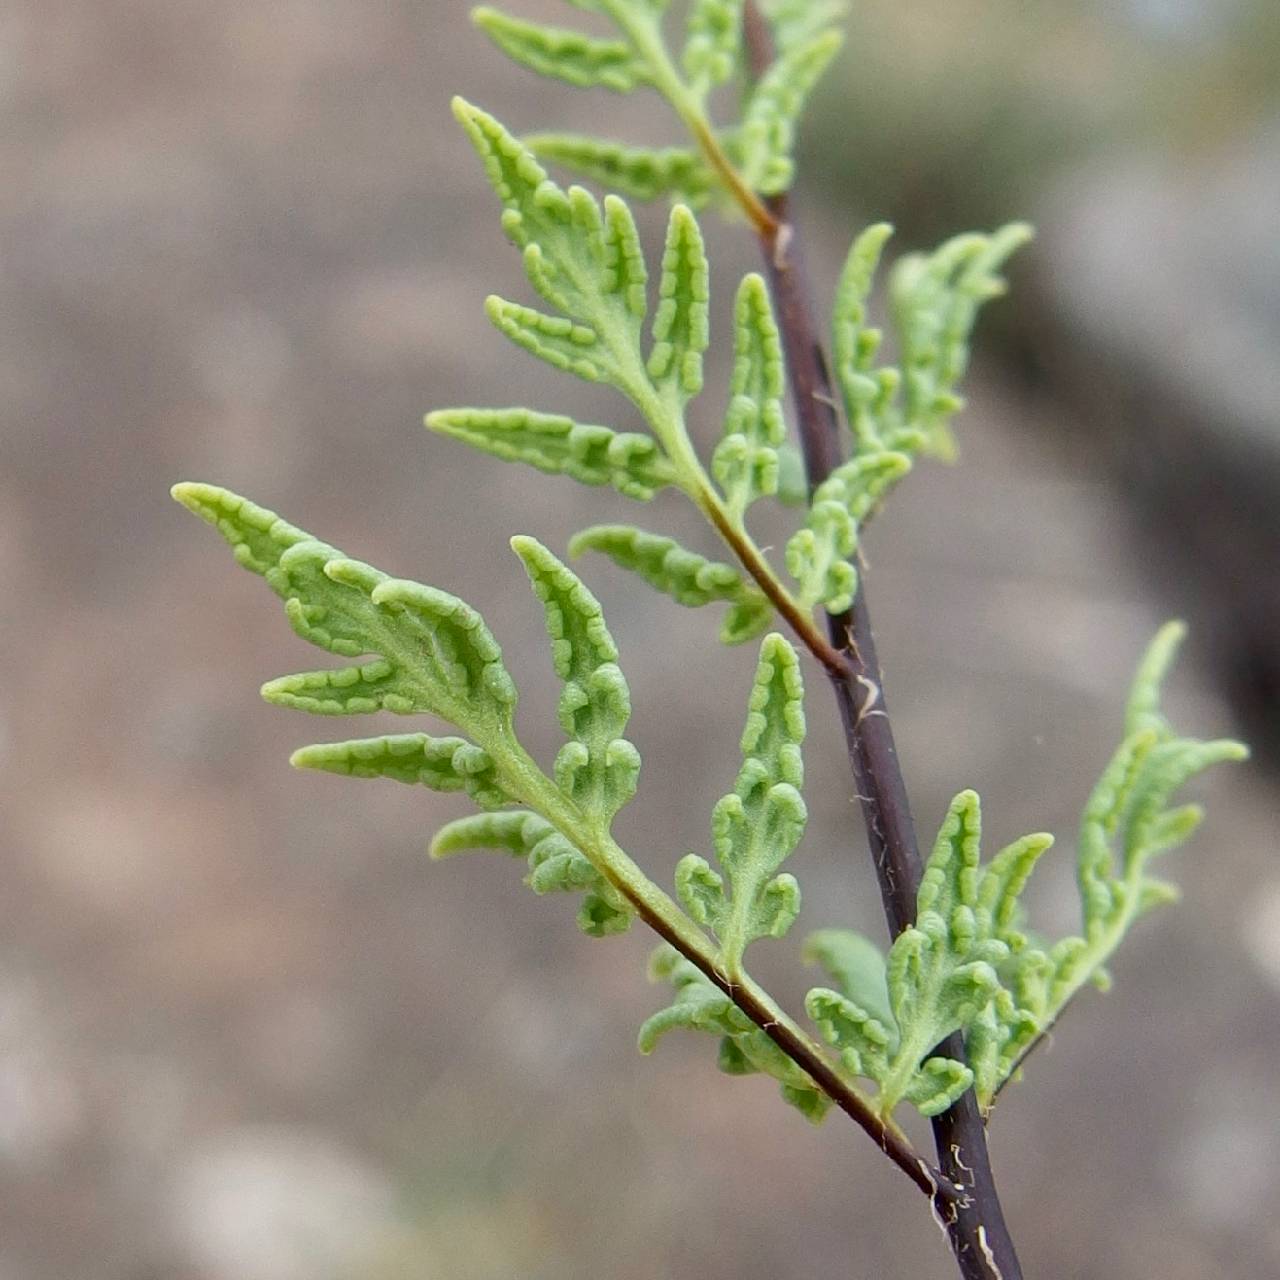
[
  {"x": 713, "y": 47},
  {"x": 699, "y": 1005},
  {"x": 1127, "y": 822},
  {"x": 443, "y": 764},
  {"x": 757, "y": 826},
  {"x": 345, "y": 691},
  {"x": 866, "y": 1042},
  {"x": 633, "y": 464},
  {"x": 584, "y": 260},
  {"x": 798, "y": 21},
  {"x": 598, "y": 767},
  {"x": 643, "y": 173},
  {"x": 436, "y": 653},
  {"x": 746, "y": 461},
  {"x": 513, "y": 832},
  {"x": 569, "y": 347},
  {"x": 868, "y": 392},
  {"x": 857, "y": 967},
  {"x": 818, "y": 555},
  {"x": 1142, "y": 708},
  {"x": 688, "y": 578},
  {"x": 680, "y": 324},
  {"x": 937, "y": 1084},
  {"x": 579, "y": 59},
  {"x": 767, "y": 136},
  {"x": 935, "y": 299},
  {"x": 934, "y": 302},
  {"x": 943, "y": 974},
  {"x": 554, "y": 864}
]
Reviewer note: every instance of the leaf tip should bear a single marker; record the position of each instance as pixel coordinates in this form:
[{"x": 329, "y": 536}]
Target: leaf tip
[
  {"x": 199, "y": 498},
  {"x": 185, "y": 492},
  {"x": 529, "y": 549}
]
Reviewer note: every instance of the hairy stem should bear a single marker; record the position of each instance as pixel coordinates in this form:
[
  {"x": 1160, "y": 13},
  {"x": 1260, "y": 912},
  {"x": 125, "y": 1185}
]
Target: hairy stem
[{"x": 975, "y": 1225}]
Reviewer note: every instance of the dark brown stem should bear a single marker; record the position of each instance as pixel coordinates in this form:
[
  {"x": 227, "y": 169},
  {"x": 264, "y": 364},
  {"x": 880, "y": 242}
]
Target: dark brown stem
[{"x": 975, "y": 1225}]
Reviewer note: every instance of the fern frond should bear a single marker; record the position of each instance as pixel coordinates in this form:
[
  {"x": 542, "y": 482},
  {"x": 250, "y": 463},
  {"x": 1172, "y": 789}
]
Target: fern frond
[
  {"x": 934, "y": 303},
  {"x": 746, "y": 461},
  {"x": 798, "y": 21},
  {"x": 579, "y": 59},
  {"x": 436, "y": 654},
  {"x": 643, "y": 173},
  {"x": 443, "y": 764},
  {"x": 819, "y": 555},
  {"x": 868, "y": 392},
  {"x": 681, "y": 323},
  {"x": 633, "y": 464},
  {"x": 713, "y": 43},
  {"x": 584, "y": 260},
  {"x": 557, "y": 340},
  {"x": 688, "y": 578},
  {"x": 857, "y": 967},
  {"x": 760, "y": 822},
  {"x": 767, "y": 135},
  {"x": 1127, "y": 823},
  {"x": 942, "y": 974},
  {"x": 935, "y": 300},
  {"x": 598, "y": 767},
  {"x": 554, "y": 864},
  {"x": 700, "y": 1005}
]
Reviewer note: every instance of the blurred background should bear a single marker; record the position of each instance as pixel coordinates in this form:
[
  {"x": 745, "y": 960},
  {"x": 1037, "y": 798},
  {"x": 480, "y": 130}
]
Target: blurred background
[{"x": 246, "y": 1031}]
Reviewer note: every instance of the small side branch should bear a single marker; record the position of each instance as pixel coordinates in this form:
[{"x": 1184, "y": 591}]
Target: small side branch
[{"x": 941, "y": 1190}]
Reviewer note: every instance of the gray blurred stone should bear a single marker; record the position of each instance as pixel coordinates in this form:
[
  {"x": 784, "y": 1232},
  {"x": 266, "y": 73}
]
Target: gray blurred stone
[{"x": 1163, "y": 284}]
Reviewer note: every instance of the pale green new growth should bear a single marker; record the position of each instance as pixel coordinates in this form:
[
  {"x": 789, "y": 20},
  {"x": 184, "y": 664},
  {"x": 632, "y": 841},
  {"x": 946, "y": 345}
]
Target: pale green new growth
[
  {"x": 934, "y": 301},
  {"x": 744, "y": 1049},
  {"x": 567, "y": 55},
  {"x": 746, "y": 460},
  {"x": 713, "y": 46},
  {"x": 760, "y": 147},
  {"x": 443, "y": 764},
  {"x": 798, "y": 21},
  {"x": 968, "y": 965},
  {"x": 633, "y": 464},
  {"x": 1127, "y": 823},
  {"x": 818, "y": 556},
  {"x": 644, "y": 173},
  {"x": 856, "y": 965},
  {"x": 585, "y": 261},
  {"x": 760, "y": 822},
  {"x": 436, "y": 654},
  {"x": 766, "y": 139},
  {"x": 680, "y": 324},
  {"x": 554, "y": 864},
  {"x": 598, "y": 766},
  {"x": 940, "y": 974},
  {"x": 688, "y": 578}
]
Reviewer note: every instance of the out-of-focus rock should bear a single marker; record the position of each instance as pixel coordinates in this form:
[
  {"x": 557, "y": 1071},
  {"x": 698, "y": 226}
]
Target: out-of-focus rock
[{"x": 1164, "y": 283}]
